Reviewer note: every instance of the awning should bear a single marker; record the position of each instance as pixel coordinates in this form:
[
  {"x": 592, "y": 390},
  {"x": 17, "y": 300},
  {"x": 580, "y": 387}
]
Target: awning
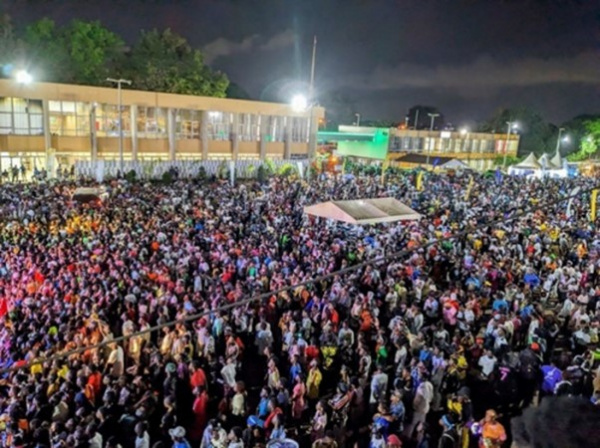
[{"x": 364, "y": 211}]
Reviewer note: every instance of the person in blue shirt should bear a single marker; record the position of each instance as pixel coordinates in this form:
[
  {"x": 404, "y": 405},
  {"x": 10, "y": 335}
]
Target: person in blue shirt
[{"x": 551, "y": 376}]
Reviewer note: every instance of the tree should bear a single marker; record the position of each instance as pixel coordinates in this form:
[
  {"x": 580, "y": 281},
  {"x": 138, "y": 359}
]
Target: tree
[
  {"x": 577, "y": 131},
  {"x": 94, "y": 51},
  {"x": 235, "y": 91},
  {"x": 537, "y": 135},
  {"x": 339, "y": 108},
  {"x": 418, "y": 117},
  {"x": 80, "y": 53},
  {"x": 163, "y": 61},
  {"x": 10, "y": 47},
  {"x": 589, "y": 142}
]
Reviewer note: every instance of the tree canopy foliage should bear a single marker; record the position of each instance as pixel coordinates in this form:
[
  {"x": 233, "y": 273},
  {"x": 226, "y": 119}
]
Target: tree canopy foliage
[
  {"x": 537, "y": 135},
  {"x": 87, "y": 53}
]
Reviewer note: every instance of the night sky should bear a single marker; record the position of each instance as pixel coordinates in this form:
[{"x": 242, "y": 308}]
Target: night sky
[{"x": 466, "y": 57}]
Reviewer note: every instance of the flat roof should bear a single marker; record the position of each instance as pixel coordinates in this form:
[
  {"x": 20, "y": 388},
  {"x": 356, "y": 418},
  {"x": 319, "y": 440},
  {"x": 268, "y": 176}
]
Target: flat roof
[{"x": 108, "y": 95}]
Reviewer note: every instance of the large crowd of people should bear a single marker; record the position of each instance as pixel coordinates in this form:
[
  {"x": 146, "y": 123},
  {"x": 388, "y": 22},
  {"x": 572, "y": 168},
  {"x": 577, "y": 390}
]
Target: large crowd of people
[{"x": 440, "y": 346}]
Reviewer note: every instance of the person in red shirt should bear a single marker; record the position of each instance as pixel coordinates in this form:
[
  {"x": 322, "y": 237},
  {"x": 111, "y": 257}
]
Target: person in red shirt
[{"x": 198, "y": 377}]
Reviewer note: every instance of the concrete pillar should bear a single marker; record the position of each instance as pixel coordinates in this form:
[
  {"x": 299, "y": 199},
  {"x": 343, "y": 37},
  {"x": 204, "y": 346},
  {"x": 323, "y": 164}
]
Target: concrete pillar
[
  {"x": 93, "y": 134},
  {"x": 235, "y": 137},
  {"x": 287, "y": 138},
  {"x": 313, "y": 128},
  {"x": 264, "y": 131},
  {"x": 49, "y": 152},
  {"x": 204, "y": 134},
  {"x": 171, "y": 134},
  {"x": 134, "y": 132}
]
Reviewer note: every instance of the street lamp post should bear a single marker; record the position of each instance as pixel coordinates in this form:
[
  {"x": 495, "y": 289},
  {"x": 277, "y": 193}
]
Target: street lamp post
[
  {"x": 560, "y": 131},
  {"x": 120, "y": 82},
  {"x": 464, "y": 132},
  {"x": 432, "y": 116},
  {"x": 511, "y": 125},
  {"x": 357, "y": 115}
]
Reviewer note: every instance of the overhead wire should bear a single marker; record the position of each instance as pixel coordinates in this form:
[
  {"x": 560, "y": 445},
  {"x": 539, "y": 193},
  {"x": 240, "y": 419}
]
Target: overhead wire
[{"x": 376, "y": 260}]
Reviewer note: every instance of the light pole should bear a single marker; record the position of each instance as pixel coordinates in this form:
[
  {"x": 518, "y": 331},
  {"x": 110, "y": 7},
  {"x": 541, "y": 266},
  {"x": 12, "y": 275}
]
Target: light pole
[
  {"x": 24, "y": 78},
  {"x": 357, "y": 115},
  {"x": 120, "y": 82},
  {"x": 558, "y": 140},
  {"x": 464, "y": 132},
  {"x": 511, "y": 125},
  {"x": 432, "y": 116}
]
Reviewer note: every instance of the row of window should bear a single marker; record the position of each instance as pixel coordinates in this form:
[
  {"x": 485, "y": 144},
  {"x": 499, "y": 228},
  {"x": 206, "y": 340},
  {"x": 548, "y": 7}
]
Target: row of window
[
  {"x": 69, "y": 118},
  {"x": 417, "y": 144}
]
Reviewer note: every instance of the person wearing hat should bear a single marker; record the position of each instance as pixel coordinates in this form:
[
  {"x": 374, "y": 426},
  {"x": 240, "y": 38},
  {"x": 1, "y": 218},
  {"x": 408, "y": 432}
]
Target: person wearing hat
[
  {"x": 449, "y": 437},
  {"x": 178, "y": 436}
]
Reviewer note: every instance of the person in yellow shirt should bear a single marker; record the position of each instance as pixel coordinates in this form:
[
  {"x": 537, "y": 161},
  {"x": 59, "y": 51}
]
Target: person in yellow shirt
[{"x": 313, "y": 381}]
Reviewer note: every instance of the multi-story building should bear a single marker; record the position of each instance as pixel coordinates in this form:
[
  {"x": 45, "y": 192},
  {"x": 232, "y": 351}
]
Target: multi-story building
[
  {"x": 48, "y": 125},
  {"x": 476, "y": 149},
  {"x": 411, "y": 148}
]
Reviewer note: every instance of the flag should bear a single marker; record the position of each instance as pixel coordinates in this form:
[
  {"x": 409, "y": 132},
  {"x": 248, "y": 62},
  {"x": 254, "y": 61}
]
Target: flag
[
  {"x": 573, "y": 193},
  {"x": 419, "y": 181},
  {"x": 499, "y": 176},
  {"x": 593, "y": 205},
  {"x": 384, "y": 167},
  {"x": 469, "y": 188}
]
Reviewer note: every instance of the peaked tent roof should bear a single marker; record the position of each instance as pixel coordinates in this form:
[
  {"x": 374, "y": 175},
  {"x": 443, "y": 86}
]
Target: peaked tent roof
[
  {"x": 530, "y": 162},
  {"x": 364, "y": 211},
  {"x": 557, "y": 160},
  {"x": 455, "y": 164}
]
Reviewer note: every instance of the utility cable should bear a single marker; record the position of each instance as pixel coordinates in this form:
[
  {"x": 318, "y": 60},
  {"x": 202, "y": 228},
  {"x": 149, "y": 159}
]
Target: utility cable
[{"x": 258, "y": 297}]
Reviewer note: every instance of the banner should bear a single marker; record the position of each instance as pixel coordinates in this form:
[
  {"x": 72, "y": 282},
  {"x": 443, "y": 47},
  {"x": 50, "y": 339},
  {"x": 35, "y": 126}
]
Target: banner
[
  {"x": 593, "y": 205},
  {"x": 300, "y": 166},
  {"x": 99, "y": 171},
  {"x": 232, "y": 172}
]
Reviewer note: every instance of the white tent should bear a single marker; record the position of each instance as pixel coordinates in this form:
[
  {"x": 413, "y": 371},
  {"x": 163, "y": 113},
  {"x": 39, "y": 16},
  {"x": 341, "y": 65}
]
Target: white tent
[
  {"x": 530, "y": 163},
  {"x": 364, "y": 211},
  {"x": 454, "y": 164}
]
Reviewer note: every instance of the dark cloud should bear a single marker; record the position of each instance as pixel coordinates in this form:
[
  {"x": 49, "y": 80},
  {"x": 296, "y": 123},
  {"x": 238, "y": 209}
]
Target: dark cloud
[{"x": 465, "y": 54}]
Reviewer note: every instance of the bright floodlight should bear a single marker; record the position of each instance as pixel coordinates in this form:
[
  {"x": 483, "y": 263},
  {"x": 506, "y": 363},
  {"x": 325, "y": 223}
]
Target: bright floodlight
[
  {"x": 23, "y": 77},
  {"x": 464, "y": 131},
  {"x": 566, "y": 139},
  {"x": 299, "y": 103},
  {"x": 515, "y": 125}
]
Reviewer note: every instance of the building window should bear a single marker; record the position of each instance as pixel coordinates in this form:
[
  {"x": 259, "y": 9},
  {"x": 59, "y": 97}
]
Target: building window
[
  {"x": 275, "y": 129},
  {"x": 299, "y": 131},
  {"x": 219, "y": 125},
  {"x": 151, "y": 122},
  {"x": 249, "y": 127},
  {"x": 21, "y": 116},
  {"x": 187, "y": 124}
]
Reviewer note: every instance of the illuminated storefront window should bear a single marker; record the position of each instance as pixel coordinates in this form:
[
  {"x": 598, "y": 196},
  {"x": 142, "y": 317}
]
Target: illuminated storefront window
[
  {"x": 187, "y": 124},
  {"x": 219, "y": 125}
]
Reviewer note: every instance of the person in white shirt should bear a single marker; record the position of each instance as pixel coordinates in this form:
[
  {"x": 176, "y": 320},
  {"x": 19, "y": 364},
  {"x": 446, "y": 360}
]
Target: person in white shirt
[
  {"x": 115, "y": 365},
  {"x": 142, "y": 438},
  {"x": 487, "y": 363}
]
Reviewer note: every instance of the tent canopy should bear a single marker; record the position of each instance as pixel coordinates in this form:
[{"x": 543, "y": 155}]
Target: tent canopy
[
  {"x": 364, "y": 211},
  {"x": 530, "y": 163}
]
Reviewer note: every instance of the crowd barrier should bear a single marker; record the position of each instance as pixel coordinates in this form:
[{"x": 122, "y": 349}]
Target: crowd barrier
[{"x": 103, "y": 169}]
